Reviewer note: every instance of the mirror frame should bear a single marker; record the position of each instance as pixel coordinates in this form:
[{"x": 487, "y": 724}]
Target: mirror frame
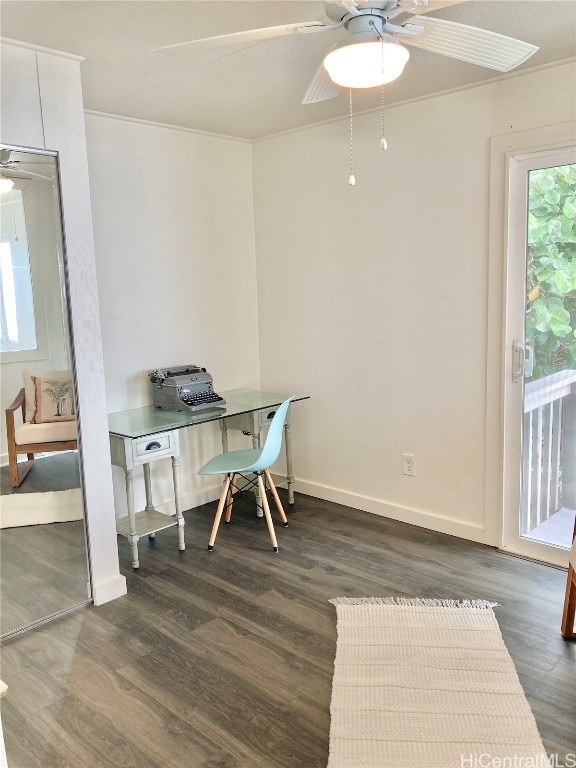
[{"x": 67, "y": 323}]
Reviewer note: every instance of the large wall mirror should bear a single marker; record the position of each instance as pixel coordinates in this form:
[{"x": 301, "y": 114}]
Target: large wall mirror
[{"x": 44, "y": 565}]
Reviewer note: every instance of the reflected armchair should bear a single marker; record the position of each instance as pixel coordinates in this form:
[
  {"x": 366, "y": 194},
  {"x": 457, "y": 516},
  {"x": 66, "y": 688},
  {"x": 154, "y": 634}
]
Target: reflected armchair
[{"x": 44, "y": 429}]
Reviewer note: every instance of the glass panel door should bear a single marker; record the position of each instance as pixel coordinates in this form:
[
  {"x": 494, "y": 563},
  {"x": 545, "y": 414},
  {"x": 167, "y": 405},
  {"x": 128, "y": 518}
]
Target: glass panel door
[
  {"x": 539, "y": 420},
  {"x": 548, "y": 504}
]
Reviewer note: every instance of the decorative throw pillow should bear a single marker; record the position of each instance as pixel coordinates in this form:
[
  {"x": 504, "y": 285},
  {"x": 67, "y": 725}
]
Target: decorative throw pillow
[
  {"x": 54, "y": 399},
  {"x": 30, "y": 388}
]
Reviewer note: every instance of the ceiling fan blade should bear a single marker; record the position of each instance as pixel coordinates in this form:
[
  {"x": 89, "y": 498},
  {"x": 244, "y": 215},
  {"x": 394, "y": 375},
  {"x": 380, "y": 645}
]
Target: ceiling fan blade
[
  {"x": 336, "y": 9},
  {"x": 322, "y": 88},
  {"x": 16, "y": 174},
  {"x": 472, "y": 44},
  {"x": 433, "y": 5},
  {"x": 247, "y": 36}
]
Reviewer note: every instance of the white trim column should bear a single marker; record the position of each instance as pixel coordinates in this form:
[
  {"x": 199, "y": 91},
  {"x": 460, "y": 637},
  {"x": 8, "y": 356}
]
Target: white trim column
[{"x": 43, "y": 108}]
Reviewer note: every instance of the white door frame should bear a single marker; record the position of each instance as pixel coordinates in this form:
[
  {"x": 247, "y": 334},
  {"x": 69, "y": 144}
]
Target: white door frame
[
  {"x": 519, "y": 165},
  {"x": 498, "y": 462}
]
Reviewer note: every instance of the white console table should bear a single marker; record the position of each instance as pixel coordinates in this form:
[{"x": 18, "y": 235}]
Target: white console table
[
  {"x": 142, "y": 435},
  {"x": 130, "y": 452}
]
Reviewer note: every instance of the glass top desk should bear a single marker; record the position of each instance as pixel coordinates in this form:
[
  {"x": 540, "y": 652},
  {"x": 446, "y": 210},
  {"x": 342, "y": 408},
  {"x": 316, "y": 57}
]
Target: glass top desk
[
  {"x": 141, "y": 435},
  {"x": 139, "y": 422}
]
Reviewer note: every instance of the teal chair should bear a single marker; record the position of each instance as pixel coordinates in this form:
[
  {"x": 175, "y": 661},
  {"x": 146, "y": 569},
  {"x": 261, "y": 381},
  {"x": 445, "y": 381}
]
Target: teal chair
[{"x": 256, "y": 461}]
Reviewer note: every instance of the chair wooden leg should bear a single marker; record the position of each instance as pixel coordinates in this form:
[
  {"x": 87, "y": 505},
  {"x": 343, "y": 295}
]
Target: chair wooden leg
[
  {"x": 569, "y": 605},
  {"x": 218, "y": 517},
  {"x": 276, "y": 498},
  {"x": 229, "y": 501},
  {"x": 18, "y": 471},
  {"x": 13, "y": 464},
  {"x": 267, "y": 514}
]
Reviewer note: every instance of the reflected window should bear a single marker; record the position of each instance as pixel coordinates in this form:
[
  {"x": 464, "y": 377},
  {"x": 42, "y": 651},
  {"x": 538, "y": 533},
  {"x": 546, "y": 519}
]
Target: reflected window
[{"x": 17, "y": 315}]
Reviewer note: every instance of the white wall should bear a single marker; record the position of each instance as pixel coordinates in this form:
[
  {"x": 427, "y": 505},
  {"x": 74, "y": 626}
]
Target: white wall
[
  {"x": 373, "y": 298},
  {"x": 42, "y": 107},
  {"x": 174, "y": 236}
]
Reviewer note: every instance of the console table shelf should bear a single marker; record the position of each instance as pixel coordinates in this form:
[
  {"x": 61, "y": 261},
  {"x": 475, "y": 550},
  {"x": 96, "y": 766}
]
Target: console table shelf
[{"x": 145, "y": 523}]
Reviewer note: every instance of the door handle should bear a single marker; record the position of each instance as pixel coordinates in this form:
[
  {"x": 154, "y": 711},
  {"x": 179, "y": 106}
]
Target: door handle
[{"x": 518, "y": 359}]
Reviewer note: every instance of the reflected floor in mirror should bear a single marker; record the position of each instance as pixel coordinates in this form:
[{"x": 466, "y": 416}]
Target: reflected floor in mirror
[
  {"x": 43, "y": 564},
  {"x": 58, "y": 472}
]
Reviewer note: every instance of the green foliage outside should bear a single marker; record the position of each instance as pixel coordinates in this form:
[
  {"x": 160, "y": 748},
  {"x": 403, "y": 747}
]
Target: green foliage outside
[{"x": 551, "y": 288}]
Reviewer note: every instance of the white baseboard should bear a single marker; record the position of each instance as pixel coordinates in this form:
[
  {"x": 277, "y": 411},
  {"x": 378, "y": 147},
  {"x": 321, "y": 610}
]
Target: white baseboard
[
  {"x": 105, "y": 591},
  {"x": 191, "y": 500},
  {"x": 418, "y": 517},
  {"x": 404, "y": 514}
]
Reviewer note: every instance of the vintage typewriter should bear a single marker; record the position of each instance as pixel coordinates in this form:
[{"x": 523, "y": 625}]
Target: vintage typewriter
[{"x": 184, "y": 388}]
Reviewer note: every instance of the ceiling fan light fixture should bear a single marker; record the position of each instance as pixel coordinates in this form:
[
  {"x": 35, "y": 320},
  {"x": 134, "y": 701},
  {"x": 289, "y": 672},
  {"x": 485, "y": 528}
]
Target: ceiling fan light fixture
[
  {"x": 6, "y": 185},
  {"x": 366, "y": 64}
]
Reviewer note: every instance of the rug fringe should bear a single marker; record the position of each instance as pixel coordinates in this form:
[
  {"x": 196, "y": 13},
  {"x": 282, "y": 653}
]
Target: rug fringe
[{"x": 416, "y": 601}]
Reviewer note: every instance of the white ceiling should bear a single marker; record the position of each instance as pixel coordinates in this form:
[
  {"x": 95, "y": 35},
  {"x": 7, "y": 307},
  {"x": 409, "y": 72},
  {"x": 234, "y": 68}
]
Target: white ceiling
[{"x": 253, "y": 91}]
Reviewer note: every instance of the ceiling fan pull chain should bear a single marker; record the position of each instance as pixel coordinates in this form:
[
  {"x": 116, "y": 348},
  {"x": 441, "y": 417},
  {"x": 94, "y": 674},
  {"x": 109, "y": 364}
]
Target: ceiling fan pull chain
[
  {"x": 352, "y": 178},
  {"x": 383, "y": 142}
]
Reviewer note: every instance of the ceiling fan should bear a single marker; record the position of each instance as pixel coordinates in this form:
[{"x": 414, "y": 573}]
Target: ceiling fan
[{"x": 368, "y": 50}]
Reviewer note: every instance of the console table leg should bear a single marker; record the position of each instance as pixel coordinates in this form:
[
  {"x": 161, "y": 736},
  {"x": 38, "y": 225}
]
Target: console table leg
[
  {"x": 224, "y": 429},
  {"x": 148, "y": 488},
  {"x": 259, "y": 509},
  {"x": 133, "y": 536},
  {"x": 178, "y": 503},
  {"x": 289, "y": 475}
]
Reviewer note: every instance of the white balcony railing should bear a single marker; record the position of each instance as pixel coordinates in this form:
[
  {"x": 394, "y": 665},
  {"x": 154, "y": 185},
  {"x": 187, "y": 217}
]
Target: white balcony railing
[{"x": 549, "y": 448}]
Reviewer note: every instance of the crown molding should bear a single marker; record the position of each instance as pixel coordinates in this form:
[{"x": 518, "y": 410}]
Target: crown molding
[
  {"x": 185, "y": 129},
  {"x": 447, "y": 91},
  {"x": 40, "y": 49}
]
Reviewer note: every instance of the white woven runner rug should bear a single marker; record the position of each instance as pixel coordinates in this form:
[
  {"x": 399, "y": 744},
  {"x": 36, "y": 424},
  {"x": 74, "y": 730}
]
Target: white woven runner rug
[
  {"x": 427, "y": 683},
  {"x": 19, "y": 509}
]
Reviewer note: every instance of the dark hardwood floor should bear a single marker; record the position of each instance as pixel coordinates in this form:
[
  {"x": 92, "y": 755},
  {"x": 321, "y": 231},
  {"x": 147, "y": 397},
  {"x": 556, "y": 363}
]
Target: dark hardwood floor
[{"x": 225, "y": 660}]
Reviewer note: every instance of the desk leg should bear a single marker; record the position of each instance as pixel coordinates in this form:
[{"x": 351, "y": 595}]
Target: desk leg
[
  {"x": 132, "y": 535},
  {"x": 259, "y": 508},
  {"x": 224, "y": 429},
  {"x": 177, "y": 501},
  {"x": 148, "y": 488},
  {"x": 289, "y": 475}
]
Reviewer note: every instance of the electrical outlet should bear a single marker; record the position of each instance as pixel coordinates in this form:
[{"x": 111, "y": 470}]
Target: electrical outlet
[{"x": 408, "y": 464}]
